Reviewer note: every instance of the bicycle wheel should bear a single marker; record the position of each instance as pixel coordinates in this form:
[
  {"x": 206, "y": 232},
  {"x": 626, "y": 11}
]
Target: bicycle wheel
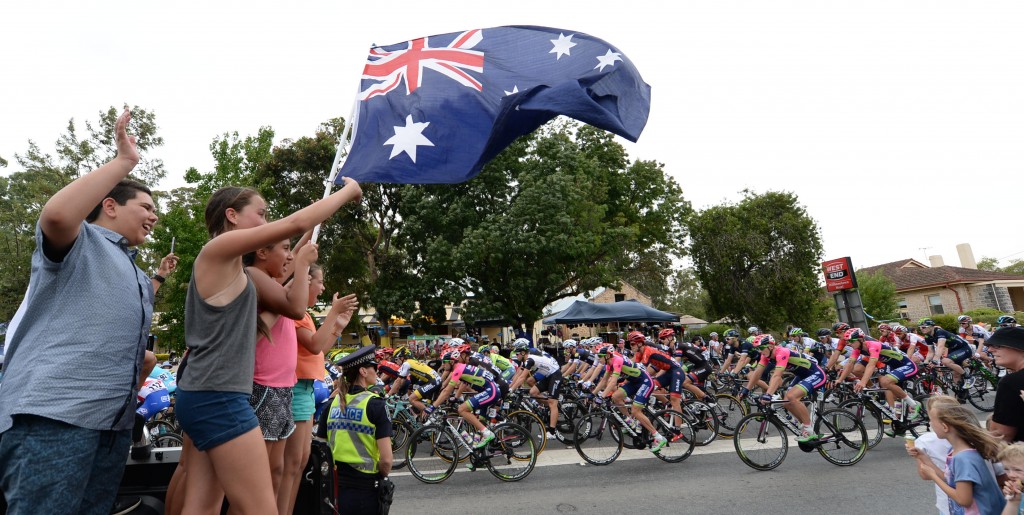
[
  {"x": 167, "y": 440},
  {"x": 870, "y": 417},
  {"x": 597, "y": 438},
  {"x": 401, "y": 431},
  {"x": 704, "y": 422},
  {"x": 681, "y": 440},
  {"x": 533, "y": 425},
  {"x": 760, "y": 441},
  {"x": 729, "y": 412},
  {"x": 843, "y": 437},
  {"x": 982, "y": 395},
  {"x": 424, "y": 454},
  {"x": 460, "y": 424},
  {"x": 566, "y": 420},
  {"x": 512, "y": 454}
]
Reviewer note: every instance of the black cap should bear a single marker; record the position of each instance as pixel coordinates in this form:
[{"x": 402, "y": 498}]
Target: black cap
[
  {"x": 1012, "y": 337},
  {"x": 360, "y": 357}
]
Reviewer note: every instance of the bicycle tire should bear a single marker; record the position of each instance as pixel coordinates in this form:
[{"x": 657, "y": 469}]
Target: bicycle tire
[
  {"x": 705, "y": 423},
  {"x": 870, "y": 417},
  {"x": 167, "y": 440},
  {"x": 533, "y": 425},
  {"x": 756, "y": 435},
  {"x": 597, "y": 438},
  {"x": 400, "y": 434},
  {"x": 982, "y": 395},
  {"x": 846, "y": 441},
  {"x": 731, "y": 411},
  {"x": 424, "y": 453},
  {"x": 681, "y": 439},
  {"x": 516, "y": 451},
  {"x": 459, "y": 424}
]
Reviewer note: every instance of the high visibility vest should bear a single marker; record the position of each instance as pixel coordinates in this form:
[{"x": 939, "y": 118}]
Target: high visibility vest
[{"x": 351, "y": 434}]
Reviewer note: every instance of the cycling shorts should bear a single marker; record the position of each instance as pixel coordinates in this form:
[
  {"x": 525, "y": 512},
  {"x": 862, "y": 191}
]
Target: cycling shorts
[
  {"x": 903, "y": 372},
  {"x": 639, "y": 388},
  {"x": 699, "y": 375},
  {"x": 490, "y": 394},
  {"x": 960, "y": 355},
  {"x": 551, "y": 384},
  {"x": 811, "y": 382},
  {"x": 672, "y": 381},
  {"x": 428, "y": 391},
  {"x": 508, "y": 374}
]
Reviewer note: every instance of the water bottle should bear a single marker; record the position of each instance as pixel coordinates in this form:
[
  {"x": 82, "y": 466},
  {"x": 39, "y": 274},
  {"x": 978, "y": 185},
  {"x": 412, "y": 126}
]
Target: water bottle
[
  {"x": 465, "y": 436},
  {"x": 898, "y": 408}
]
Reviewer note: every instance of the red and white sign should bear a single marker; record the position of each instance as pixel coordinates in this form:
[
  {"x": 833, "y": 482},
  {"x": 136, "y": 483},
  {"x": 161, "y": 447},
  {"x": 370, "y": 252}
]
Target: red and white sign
[{"x": 839, "y": 274}]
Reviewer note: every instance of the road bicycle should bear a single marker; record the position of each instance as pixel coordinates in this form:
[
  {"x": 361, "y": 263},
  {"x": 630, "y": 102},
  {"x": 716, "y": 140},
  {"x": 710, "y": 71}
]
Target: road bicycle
[
  {"x": 762, "y": 443},
  {"x": 601, "y": 435},
  {"x": 433, "y": 450}
]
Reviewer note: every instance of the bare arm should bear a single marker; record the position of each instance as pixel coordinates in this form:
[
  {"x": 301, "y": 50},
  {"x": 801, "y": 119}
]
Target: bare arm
[
  {"x": 167, "y": 267},
  {"x": 335, "y": 321},
  {"x": 62, "y": 216}
]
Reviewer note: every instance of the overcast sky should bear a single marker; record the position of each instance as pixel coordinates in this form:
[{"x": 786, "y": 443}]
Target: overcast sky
[{"x": 898, "y": 124}]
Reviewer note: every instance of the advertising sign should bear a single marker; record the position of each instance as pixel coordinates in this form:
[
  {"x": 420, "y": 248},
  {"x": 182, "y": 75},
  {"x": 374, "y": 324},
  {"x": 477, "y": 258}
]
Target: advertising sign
[{"x": 839, "y": 274}]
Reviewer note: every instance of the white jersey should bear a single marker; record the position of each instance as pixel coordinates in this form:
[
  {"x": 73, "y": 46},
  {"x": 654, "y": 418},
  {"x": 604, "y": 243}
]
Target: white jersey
[{"x": 544, "y": 365}]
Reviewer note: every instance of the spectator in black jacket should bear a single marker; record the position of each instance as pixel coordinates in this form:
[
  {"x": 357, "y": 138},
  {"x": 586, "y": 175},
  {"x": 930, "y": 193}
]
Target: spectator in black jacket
[{"x": 1007, "y": 346}]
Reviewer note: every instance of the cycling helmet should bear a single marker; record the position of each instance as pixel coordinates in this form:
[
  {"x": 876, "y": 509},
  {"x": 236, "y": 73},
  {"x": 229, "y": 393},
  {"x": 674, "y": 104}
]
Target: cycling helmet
[
  {"x": 484, "y": 348},
  {"x": 796, "y": 331},
  {"x": 824, "y": 332},
  {"x": 380, "y": 355},
  {"x": 569, "y": 343},
  {"x": 732, "y": 333},
  {"x": 452, "y": 355},
  {"x": 635, "y": 337},
  {"x": 666, "y": 333},
  {"x": 521, "y": 344},
  {"x": 713, "y": 334},
  {"x": 854, "y": 334},
  {"x": 963, "y": 318},
  {"x": 840, "y": 327},
  {"x": 753, "y": 330},
  {"x": 1006, "y": 320},
  {"x": 765, "y": 340},
  {"x": 605, "y": 350},
  {"x": 884, "y": 327},
  {"x": 899, "y": 329},
  {"x": 649, "y": 341},
  {"x": 403, "y": 353},
  {"x": 926, "y": 322},
  {"x": 456, "y": 342}
]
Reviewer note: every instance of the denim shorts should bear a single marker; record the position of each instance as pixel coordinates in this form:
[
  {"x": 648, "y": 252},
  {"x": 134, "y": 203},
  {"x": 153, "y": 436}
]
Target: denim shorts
[
  {"x": 303, "y": 400},
  {"x": 213, "y": 418}
]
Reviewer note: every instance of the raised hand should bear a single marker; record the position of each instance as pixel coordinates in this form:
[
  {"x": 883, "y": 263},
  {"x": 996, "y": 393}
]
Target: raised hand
[{"x": 126, "y": 146}]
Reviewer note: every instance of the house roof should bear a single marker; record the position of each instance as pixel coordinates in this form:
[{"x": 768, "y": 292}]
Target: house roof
[{"x": 910, "y": 274}]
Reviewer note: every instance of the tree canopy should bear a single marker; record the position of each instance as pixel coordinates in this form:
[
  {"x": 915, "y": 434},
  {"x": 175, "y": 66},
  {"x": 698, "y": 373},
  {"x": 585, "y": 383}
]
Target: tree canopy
[{"x": 759, "y": 260}]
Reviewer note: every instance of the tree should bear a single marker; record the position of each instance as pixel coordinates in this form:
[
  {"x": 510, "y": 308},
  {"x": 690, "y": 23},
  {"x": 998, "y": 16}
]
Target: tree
[
  {"x": 557, "y": 213},
  {"x": 687, "y": 295},
  {"x": 758, "y": 259},
  {"x": 24, "y": 192},
  {"x": 878, "y": 295},
  {"x": 987, "y": 263}
]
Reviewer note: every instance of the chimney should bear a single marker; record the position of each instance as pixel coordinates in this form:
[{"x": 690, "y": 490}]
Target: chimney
[
  {"x": 966, "y": 256},
  {"x": 936, "y": 261}
]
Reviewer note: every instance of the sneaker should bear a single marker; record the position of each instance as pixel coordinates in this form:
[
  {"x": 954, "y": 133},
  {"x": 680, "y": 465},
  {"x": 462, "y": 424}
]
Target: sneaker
[
  {"x": 554, "y": 434},
  {"x": 483, "y": 440},
  {"x": 659, "y": 443},
  {"x": 125, "y": 504},
  {"x": 915, "y": 412},
  {"x": 807, "y": 436}
]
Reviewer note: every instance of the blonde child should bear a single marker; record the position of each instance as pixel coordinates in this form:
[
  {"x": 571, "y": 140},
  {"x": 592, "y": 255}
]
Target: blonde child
[
  {"x": 966, "y": 479},
  {"x": 1012, "y": 458}
]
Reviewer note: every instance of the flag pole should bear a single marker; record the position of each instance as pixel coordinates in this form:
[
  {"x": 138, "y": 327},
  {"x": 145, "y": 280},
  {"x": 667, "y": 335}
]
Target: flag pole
[{"x": 339, "y": 157}]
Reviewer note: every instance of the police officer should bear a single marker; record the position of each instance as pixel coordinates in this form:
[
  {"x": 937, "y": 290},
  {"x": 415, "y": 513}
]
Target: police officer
[{"x": 359, "y": 432}]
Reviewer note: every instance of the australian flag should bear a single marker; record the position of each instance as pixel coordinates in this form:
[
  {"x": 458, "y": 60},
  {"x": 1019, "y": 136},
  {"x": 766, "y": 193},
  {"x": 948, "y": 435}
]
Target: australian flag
[{"x": 437, "y": 109}]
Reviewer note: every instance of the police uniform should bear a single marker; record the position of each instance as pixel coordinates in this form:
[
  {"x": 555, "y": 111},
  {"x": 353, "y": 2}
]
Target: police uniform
[{"x": 352, "y": 434}]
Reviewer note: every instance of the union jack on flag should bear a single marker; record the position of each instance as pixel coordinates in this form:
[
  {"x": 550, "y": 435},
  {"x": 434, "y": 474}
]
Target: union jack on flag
[{"x": 437, "y": 109}]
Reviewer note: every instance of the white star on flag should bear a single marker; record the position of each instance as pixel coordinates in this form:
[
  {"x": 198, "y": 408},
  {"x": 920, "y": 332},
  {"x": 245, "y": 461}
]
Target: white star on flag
[
  {"x": 607, "y": 59},
  {"x": 407, "y": 138},
  {"x": 515, "y": 89},
  {"x": 562, "y": 45}
]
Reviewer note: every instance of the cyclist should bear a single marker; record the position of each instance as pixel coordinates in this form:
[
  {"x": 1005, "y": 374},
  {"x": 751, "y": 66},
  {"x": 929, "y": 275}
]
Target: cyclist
[
  {"x": 697, "y": 373},
  {"x": 886, "y": 335},
  {"x": 729, "y": 349},
  {"x": 505, "y": 367},
  {"x": 977, "y": 334},
  {"x": 942, "y": 344},
  {"x": 424, "y": 380},
  {"x": 911, "y": 343},
  {"x": 667, "y": 372},
  {"x": 900, "y": 366},
  {"x": 808, "y": 376},
  {"x": 153, "y": 397},
  {"x": 469, "y": 374},
  {"x": 1006, "y": 321},
  {"x": 544, "y": 374},
  {"x": 574, "y": 365},
  {"x": 801, "y": 342},
  {"x": 839, "y": 329},
  {"x": 638, "y": 385}
]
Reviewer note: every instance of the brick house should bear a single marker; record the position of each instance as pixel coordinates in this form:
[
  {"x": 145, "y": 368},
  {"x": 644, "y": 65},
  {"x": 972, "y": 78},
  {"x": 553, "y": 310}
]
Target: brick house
[{"x": 923, "y": 290}]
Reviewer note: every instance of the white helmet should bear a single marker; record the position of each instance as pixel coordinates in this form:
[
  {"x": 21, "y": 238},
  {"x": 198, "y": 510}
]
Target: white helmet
[
  {"x": 456, "y": 342},
  {"x": 569, "y": 343},
  {"x": 521, "y": 344}
]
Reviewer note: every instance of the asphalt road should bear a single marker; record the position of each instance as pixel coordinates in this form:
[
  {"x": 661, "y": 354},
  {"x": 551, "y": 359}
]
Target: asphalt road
[{"x": 713, "y": 480}]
